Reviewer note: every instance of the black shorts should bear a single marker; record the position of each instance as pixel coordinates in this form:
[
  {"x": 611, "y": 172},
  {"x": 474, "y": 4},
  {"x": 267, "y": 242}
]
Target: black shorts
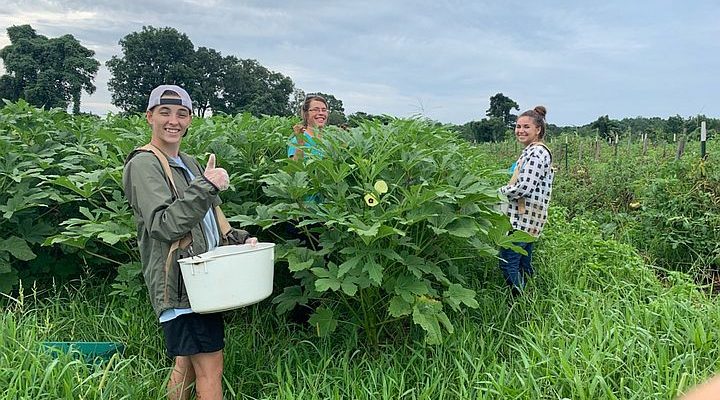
[{"x": 190, "y": 334}]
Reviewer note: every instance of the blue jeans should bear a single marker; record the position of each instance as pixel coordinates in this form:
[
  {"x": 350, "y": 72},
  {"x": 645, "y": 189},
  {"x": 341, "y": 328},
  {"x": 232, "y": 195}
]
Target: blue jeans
[{"x": 515, "y": 266}]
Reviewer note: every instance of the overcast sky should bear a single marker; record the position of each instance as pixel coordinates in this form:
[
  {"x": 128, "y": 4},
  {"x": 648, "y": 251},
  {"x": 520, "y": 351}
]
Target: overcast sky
[{"x": 440, "y": 59}]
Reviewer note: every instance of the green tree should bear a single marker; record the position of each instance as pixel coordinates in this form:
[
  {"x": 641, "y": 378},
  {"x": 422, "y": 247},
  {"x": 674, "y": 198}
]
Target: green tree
[
  {"x": 359, "y": 117},
  {"x": 151, "y": 57},
  {"x": 486, "y": 130},
  {"x": 296, "y": 99},
  {"x": 209, "y": 70},
  {"x": 606, "y": 127},
  {"x": 500, "y": 107},
  {"x": 675, "y": 124},
  {"x": 46, "y": 72},
  {"x": 250, "y": 87}
]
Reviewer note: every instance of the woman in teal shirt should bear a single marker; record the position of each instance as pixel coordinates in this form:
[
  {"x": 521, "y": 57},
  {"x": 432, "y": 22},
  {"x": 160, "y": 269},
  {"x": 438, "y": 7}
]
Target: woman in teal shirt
[{"x": 314, "y": 113}]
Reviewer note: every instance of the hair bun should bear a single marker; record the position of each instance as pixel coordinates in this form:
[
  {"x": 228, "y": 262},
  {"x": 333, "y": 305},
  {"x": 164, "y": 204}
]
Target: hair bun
[{"x": 541, "y": 110}]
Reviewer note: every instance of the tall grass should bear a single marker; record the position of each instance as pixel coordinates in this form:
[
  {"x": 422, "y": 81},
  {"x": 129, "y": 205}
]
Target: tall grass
[{"x": 595, "y": 323}]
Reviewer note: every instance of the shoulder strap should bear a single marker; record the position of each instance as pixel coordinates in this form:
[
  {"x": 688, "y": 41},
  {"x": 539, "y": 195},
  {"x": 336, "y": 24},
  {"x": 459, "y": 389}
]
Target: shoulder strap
[
  {"x": 223, "y": 223},
  {"x": 542, "y": 144},
  {"x": 165, "y": 165}
]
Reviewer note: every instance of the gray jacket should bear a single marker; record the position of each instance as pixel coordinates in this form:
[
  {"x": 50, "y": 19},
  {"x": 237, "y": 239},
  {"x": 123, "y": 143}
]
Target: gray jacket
[{"x": 162, "y": 219}]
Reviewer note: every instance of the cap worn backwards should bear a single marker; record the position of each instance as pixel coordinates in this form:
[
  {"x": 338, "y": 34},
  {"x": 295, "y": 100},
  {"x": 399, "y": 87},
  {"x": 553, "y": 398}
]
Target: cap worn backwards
[{"x": 156, "y": 97}]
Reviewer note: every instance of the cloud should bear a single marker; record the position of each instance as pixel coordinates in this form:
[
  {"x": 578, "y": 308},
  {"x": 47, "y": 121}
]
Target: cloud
[{"x": 441, "y": 58}]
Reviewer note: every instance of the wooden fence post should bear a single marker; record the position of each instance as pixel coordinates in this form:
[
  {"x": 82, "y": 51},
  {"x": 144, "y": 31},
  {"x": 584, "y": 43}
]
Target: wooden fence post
[
  {"x": 597, "y": 149},
  {"x": 617, "y": 144},
  {"x": 680, "y": 148},
  {"x": 579, "y": 150}
]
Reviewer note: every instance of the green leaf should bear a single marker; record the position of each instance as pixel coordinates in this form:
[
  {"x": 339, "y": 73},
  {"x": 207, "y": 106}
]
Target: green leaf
[
  {"x": 438, "y": 231},
  {"x": 324, "y": 321},
  {"x": 7, "y": 281},
  {"x": 111, "y": 238},
  {"x": 456, "y": 295},
  {"x": 295, "y": 265},
  {"x": 129, "y": 272},
  {"x": 328, "y": 278},
  {"x": 375, "y": 271},
  {"x": 408, "y": 286},
  {"x": 17, "y": 247},
  {"x": 506, "y": 241},
  {"x": 349, "y": 288},
  {"x": 445, "y": 321},
  {"x": 5, "y": 266},
  {"x": 483, "y": 248},
  {"x": 385, "y": 230},
  {"x": 37, "y": 232},
  {"x": 65, "y": 182},
  {"x": 320, "y": 272},
  {"x": 462, "y": 227},
  {"x": 364, "y": 230},
  {"x": 399, "y": 307},
  {"x": 348, "y": 265},
  {"x": 78, "y": 242},
  {"x": 323, "y": 284},
  {"x": 444, "y": 215},
  {"x": 419, "y": 267},
  {"x": 288, "y": 299},
  {"x": 22, "y": 199},
  {"x": 392, "y": 255},
  {"x": 86, "y": 212},
  {"x": 427, "y": 313}
]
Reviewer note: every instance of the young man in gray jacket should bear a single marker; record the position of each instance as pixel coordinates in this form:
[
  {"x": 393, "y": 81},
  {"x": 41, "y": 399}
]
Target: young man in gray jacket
[{"x": 171, "y": 212}]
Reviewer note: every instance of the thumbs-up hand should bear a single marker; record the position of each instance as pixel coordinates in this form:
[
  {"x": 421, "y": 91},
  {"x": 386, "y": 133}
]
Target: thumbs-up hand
[{"x": 218, "y": 176}]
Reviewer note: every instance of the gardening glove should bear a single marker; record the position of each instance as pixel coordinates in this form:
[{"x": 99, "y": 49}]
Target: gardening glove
[{"x": 239, "y": 236}]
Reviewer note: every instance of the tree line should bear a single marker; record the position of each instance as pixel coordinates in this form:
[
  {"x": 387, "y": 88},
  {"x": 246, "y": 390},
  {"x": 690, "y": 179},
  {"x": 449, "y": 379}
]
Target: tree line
[
  {"x": 53, "y": 72},
  {"x": 500, "y": 121}
]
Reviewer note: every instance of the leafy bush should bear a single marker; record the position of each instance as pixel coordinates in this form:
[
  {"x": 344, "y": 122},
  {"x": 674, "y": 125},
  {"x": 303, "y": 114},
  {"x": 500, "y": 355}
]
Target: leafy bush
[
  {"x": 33, "y": 145},
  {"x": 60, "y": 186},
  {"x": 383, "y": 213},
  {"x": 679, "y": 224},
  {"x": 665, "y": 208}
]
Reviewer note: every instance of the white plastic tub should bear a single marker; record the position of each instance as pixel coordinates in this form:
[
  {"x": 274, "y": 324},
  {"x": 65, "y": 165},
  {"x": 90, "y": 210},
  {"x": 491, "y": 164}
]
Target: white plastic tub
[{"x": 229, "y": 277}]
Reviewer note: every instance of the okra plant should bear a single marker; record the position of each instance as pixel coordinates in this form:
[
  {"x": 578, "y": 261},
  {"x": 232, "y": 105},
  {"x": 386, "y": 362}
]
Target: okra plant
[{"x": 387, "y": 215}]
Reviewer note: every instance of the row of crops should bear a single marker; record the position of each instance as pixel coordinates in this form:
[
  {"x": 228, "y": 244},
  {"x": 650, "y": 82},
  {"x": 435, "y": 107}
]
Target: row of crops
[
  {"x": 369, "y": 264},
  {"x": 405, "y": 212}
]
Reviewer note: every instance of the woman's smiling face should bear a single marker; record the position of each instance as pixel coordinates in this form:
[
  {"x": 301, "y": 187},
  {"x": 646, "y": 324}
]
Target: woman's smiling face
[
  {"x": 317, "y": 114},
  {"x": 526, "y": 131}
]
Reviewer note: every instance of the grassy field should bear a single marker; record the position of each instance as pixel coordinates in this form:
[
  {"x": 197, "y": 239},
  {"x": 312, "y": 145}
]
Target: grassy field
[{"x": 596, "y": 323}]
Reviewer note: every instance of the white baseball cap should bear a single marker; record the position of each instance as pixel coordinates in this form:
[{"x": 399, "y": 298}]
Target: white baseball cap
[{"x": 156, "y": 97}]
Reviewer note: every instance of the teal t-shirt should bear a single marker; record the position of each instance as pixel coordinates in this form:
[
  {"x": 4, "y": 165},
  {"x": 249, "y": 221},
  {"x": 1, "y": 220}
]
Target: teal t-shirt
[
  {"x": 312, "y": 144},
  {"x": 309, "y": 143}
]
